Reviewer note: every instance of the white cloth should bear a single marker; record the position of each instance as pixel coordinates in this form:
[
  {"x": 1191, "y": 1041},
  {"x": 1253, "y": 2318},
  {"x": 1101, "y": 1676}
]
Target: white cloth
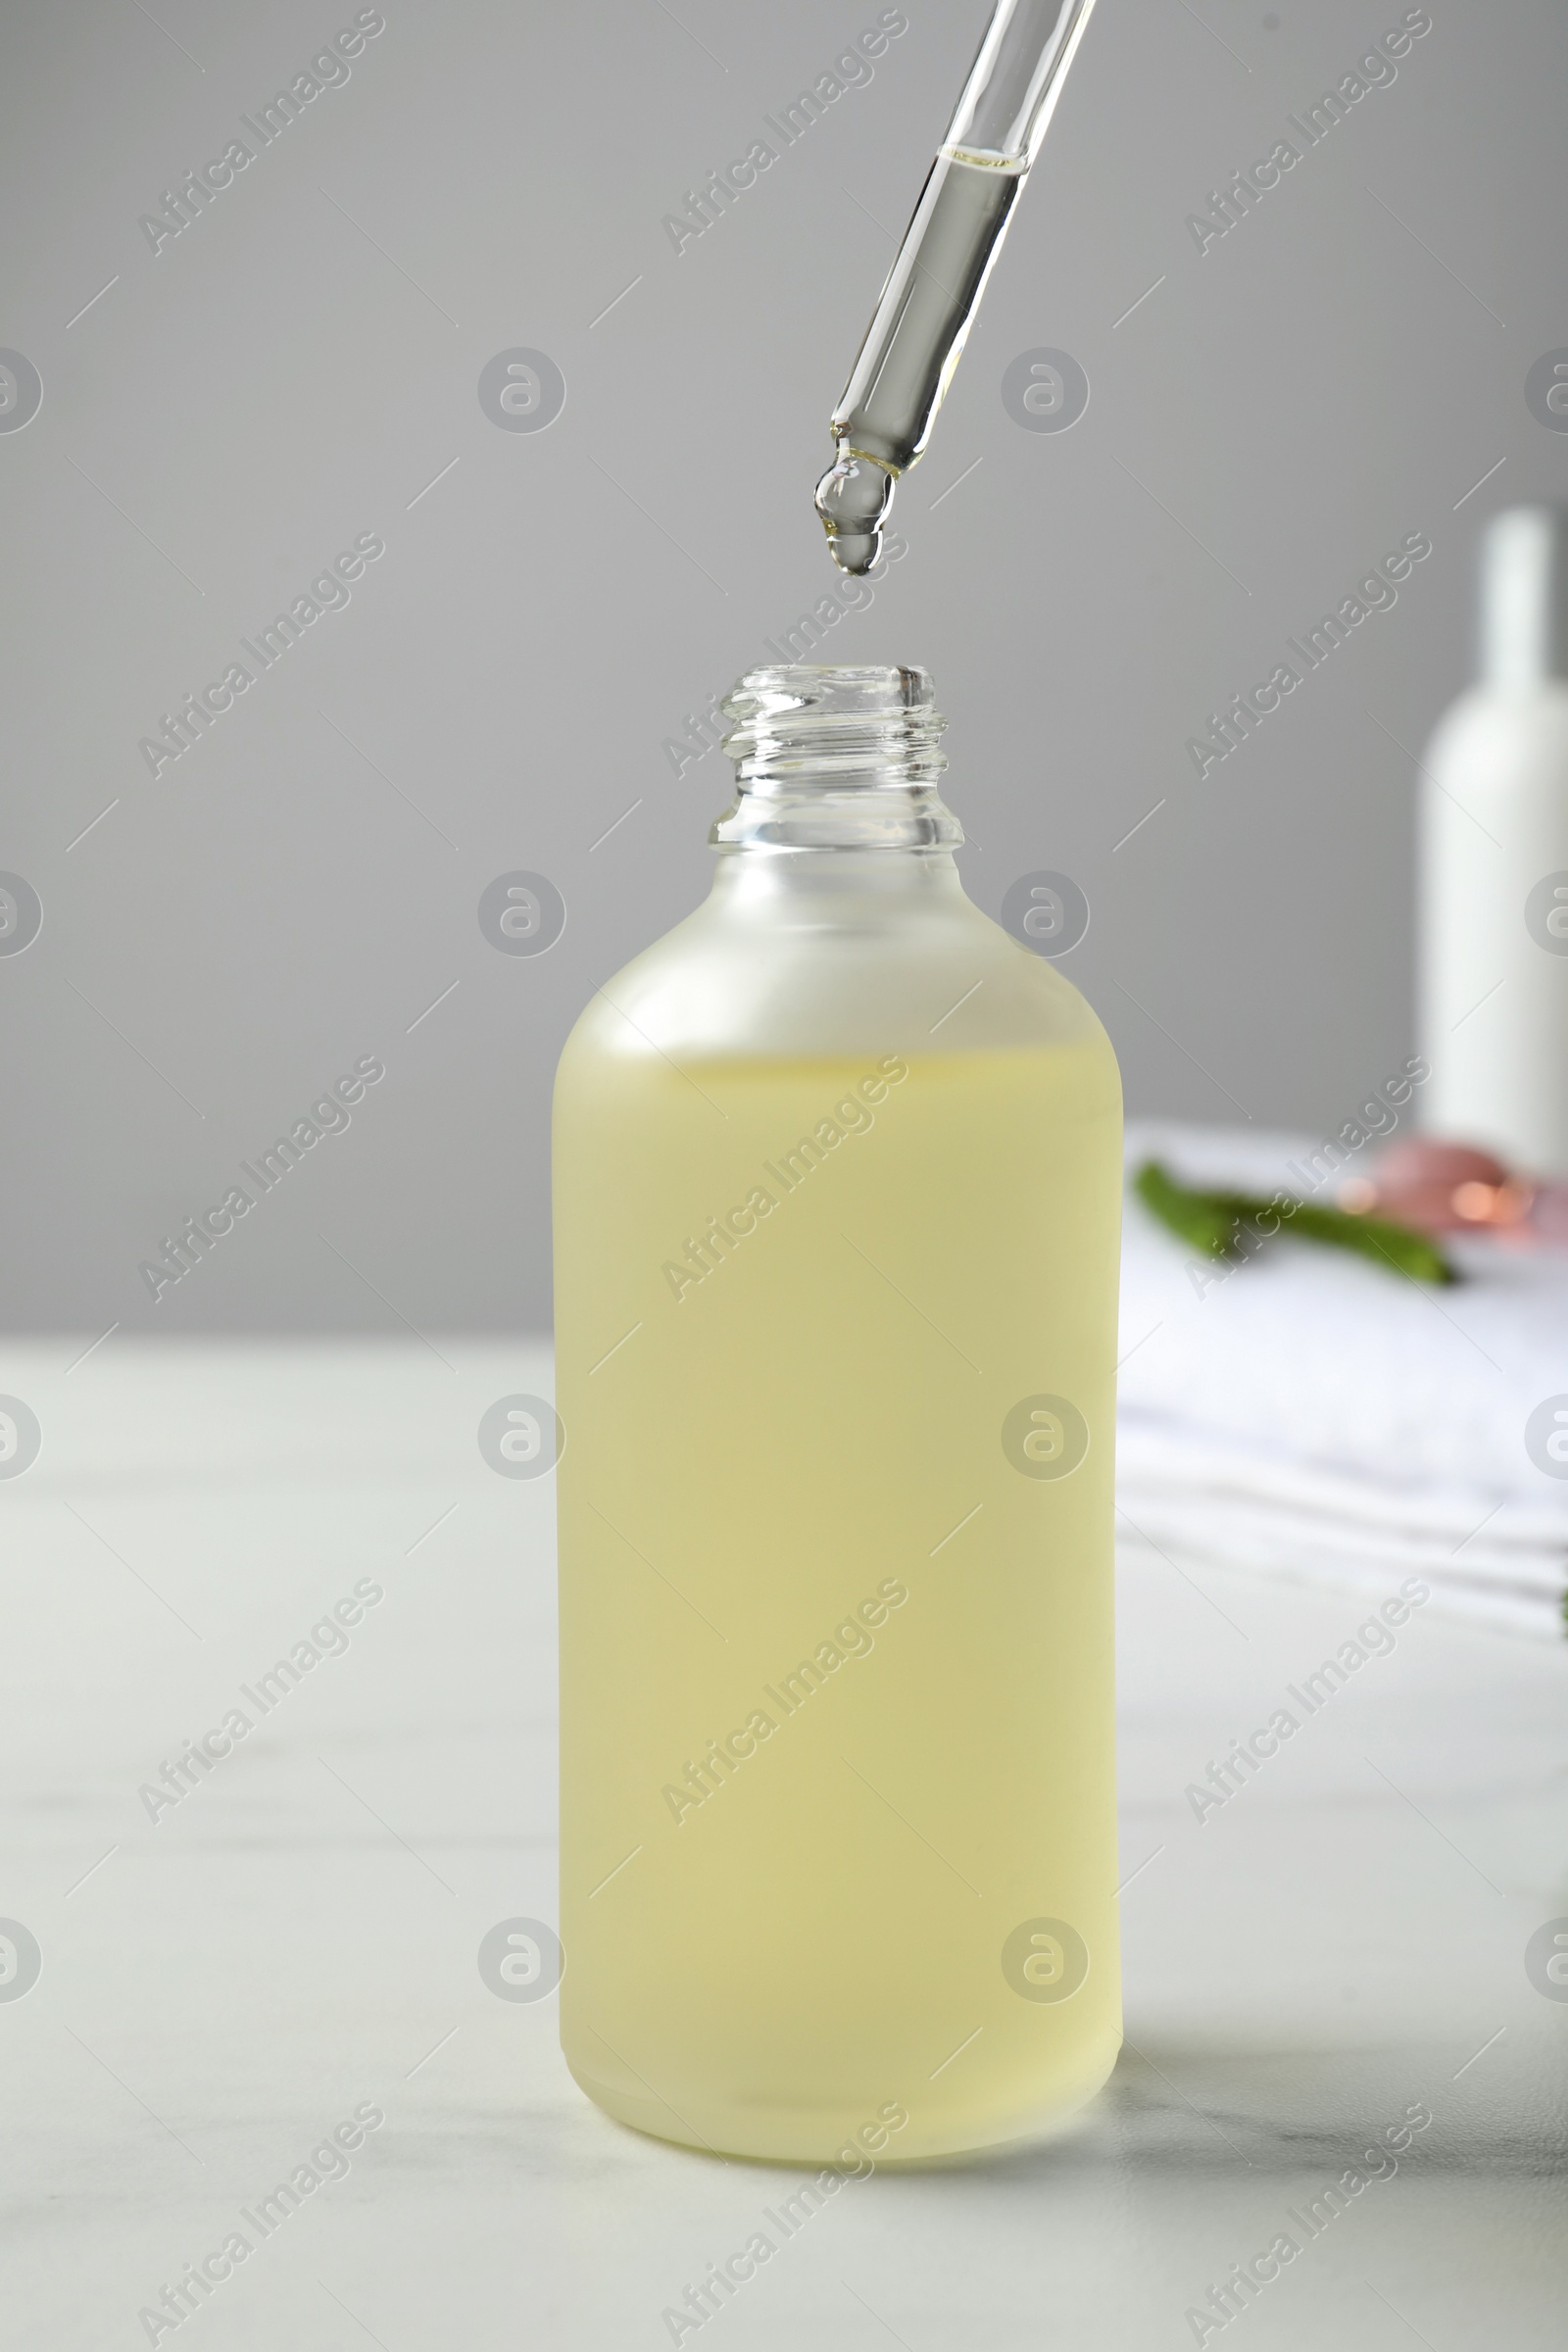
[{"x": 1307, "y": 1412}]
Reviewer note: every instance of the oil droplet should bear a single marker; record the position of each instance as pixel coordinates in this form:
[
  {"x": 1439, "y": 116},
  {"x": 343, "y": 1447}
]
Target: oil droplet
[{"x": 852, "y": 499}]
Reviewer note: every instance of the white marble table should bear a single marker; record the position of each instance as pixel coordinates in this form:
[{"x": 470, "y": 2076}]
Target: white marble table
[{"x": 296, "y": 1938}]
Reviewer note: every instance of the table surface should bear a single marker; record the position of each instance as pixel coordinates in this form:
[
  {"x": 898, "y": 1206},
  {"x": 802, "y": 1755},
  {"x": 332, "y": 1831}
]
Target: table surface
[{"x": 298, "y": 1935}]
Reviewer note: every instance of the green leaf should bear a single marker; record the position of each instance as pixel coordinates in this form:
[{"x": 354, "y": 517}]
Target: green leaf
[
  {"x": 1196, "y": 1217},
  {"x": 1216, "y": 1222}
]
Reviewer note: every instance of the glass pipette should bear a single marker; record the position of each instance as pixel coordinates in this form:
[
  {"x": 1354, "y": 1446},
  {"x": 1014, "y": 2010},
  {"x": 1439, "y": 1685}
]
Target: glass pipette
[{"x": 917, "y": 331}]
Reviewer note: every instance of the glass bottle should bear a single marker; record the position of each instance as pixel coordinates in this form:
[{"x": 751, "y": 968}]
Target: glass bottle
[{"x": 837, "y": 1183}]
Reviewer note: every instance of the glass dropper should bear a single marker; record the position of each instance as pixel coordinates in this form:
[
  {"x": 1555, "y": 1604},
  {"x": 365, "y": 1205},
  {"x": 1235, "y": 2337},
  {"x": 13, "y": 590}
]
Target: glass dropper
[{"x": 917, "y": 331}]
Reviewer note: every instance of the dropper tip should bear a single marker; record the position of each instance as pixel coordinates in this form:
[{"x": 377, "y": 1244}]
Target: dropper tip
[{"x": 852, "y": 499}]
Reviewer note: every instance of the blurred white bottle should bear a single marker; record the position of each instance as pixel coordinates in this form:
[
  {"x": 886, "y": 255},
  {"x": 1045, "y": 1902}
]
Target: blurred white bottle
[{"x": 1492, "y": 912}]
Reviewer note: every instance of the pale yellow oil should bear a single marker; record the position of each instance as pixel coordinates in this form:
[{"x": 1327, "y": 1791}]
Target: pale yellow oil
[{"x": 797, "y": 1461}]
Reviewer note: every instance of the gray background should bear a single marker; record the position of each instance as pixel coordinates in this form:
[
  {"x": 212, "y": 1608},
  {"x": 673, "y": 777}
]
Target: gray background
[{"x": 285, "y": 375}]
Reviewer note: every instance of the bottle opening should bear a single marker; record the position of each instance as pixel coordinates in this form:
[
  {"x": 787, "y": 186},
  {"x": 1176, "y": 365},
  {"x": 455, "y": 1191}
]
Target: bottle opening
[{"x": 836, "y": 757}]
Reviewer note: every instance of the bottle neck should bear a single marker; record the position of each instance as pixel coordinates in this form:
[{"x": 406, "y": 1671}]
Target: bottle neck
[
  {"x": 833, "y": 763},
  {"x": 1524, "y": 600},
  {"x": 842, "y": 885}
]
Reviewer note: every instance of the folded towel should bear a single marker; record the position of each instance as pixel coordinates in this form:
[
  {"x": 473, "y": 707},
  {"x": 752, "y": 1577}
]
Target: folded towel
[{"x": 1305, "y": 1412}]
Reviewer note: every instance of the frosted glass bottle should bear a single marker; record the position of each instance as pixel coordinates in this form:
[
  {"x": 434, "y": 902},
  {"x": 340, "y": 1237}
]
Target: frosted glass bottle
[
  {"x": 1494, "y": 890},
  {"x": 837, "y": 1182}
]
